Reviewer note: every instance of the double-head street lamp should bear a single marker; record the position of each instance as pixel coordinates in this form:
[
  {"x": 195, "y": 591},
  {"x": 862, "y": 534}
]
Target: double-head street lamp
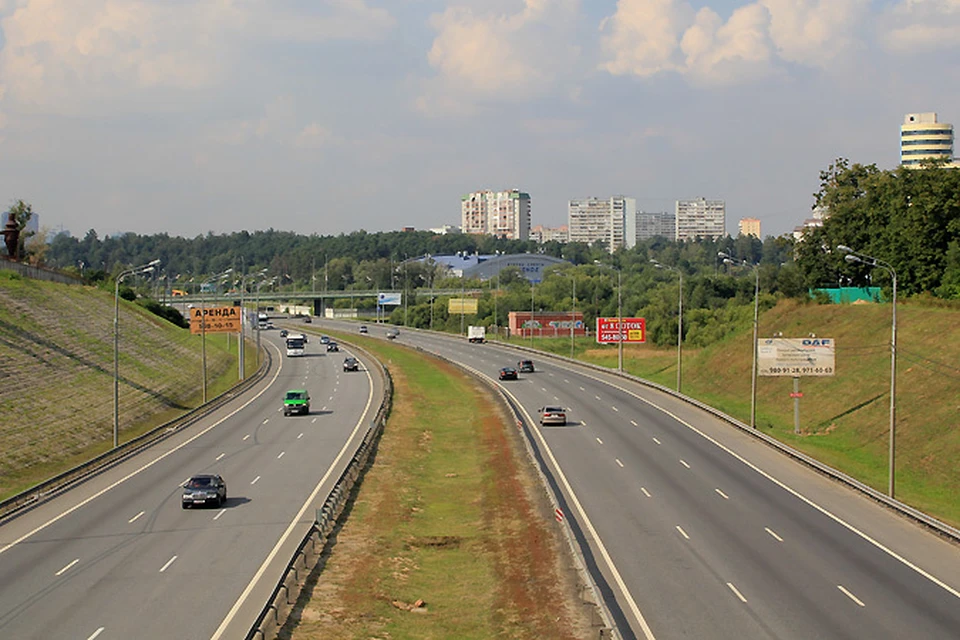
[
  {"x": 728, "y": 259},
  {"x": 679, "y": 316},
  {"x": 851, "y": 257},
  {"x": 144, "y": 268}
]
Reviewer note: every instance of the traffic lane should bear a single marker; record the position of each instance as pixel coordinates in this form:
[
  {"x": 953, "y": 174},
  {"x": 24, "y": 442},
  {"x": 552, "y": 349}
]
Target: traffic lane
[
  {"x": 193, "y": 466},
  {"x": 722, "y": 481}
]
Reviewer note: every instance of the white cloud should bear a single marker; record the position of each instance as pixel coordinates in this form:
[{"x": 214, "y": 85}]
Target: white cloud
[
  {"x": 313, "y": 136},
  {"x": 481, "y": 54},
  {"x": 648, "y": 37},
  {"x": 921, "y": 25},
  {"x": 68, "y": 56}
]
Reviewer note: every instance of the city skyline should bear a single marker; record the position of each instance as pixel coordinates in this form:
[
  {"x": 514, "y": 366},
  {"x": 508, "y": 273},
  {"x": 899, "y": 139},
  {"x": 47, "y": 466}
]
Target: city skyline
[{"x": 330, "y": 117}]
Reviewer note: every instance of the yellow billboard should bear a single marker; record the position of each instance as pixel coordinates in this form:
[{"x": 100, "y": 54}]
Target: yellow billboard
[
  {"x": 462, "y": 306},
  {"x": 216, "y": 319}
]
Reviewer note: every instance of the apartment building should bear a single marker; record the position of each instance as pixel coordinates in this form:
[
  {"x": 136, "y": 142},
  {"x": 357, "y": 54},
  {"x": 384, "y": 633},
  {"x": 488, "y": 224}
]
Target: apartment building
[
  {"x": 505, "y": 214},
  {"x": 653, "y": 224},
  {"x": 543, "y": 234},
  {"x": 612, "y": 221},
  {"x": 749, "y": 227},
  {"x": 923, "y": 138},
  {"x": 700, "y": 218}
]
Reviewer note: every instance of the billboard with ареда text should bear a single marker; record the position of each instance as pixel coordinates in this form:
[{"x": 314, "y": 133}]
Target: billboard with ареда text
[{"x": 215, "y": 320}]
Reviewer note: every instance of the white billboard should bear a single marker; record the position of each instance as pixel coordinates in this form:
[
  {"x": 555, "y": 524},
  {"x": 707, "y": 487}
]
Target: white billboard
[
  {"x": 795, "y": 357},
  {"x": 389, "y": 298}
]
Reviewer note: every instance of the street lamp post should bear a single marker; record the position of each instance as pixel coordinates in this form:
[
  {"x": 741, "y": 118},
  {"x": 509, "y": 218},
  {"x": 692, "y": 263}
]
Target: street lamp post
[
  {"x": 116, "y": 343},
  {"x": 679, "y": 317},
  {"x": 619, "y": 314},
  {"x": 851, "y": 257},
  {"x": 727, "y": 259}
]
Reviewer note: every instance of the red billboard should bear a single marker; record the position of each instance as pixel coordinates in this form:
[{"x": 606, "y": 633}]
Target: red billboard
[{"x": 631, "y": 330}]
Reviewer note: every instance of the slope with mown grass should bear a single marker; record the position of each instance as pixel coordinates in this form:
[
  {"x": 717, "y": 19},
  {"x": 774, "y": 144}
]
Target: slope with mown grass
[{"x": 56, "y": 375}]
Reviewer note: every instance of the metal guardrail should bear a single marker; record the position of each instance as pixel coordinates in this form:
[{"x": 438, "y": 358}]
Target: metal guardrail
[
  {"x": 17, "y": 504},
  {"x": 285, "y": 594}
]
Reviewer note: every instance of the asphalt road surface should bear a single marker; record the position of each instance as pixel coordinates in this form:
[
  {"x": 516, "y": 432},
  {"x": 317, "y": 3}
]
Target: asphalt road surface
[
  {"x": 694, "y": 529},
  {"x": 117, "y": 557}
]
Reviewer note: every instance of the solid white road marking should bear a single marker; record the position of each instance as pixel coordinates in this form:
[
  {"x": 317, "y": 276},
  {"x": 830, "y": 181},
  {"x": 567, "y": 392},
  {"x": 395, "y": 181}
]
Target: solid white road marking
[
  {"x": 722, "y": 494},
  {"x": 134, "y": 518},
  {"x": 773, "y": 533},
  {"x": 299, "y": 436},
  {"x": 850, "y": 595},
  {"x": 221, "y": 456},
  {"x": 736, "y": 592},
  {"x": 682, "y": 532},
  {"x": 684, "y": 463},
  {"x": 599, "y": 440},
  {"x": 66, "y": 568},
  {"x": 634, "y": 423},
  {"x": 96, "y": 633},
  {"x": 169, "y": 562},
  {"x": 657, "y": 441},
  {"x": 645, "y": 492},
  {"x": 619, "y": 463},
  {"x": 217, "y": 517},
  {"x": 282, "y": 453},
  {"x": 255, "y": 480}
]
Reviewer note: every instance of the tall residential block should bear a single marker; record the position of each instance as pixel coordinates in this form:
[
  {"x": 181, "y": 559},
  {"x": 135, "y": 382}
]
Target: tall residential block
[
  {"x": 612, "y": 221},
  {"x": 700, "y": 218},
  {"x": 653, "y": 224},
  {"x": 749, "y": 227},
  {"x": 923, "y": 138},
  {"x": 505, "y": 214}
]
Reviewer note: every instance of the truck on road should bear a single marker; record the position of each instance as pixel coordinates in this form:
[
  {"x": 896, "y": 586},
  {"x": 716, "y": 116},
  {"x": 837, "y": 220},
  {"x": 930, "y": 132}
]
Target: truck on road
[{"x": 476, "y": 334}]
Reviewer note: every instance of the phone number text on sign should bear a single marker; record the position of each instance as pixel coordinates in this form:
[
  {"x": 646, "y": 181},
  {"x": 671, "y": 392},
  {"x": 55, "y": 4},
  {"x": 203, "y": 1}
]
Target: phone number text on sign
[{"x": 633, "y": 330}]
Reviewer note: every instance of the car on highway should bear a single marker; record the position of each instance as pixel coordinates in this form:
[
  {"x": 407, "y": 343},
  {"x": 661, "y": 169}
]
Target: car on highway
[
  {"x": 296, "y": 401},
  {"x": 525, "y": 366},
  {"x": 363, "y": 328},
  {"x": 392, "y": 333},
  {"x": 351, "y": 364},
  {"x": 203, "y": 489},
  {"x": 333, "y": 346},
  {"x": 324, "y": 339},
  {"x": 508, "y": 373},
  {"x": 284, "y": 333},
  {"x": 307, "y": 320},
  {"x": 553, "y": 416}
]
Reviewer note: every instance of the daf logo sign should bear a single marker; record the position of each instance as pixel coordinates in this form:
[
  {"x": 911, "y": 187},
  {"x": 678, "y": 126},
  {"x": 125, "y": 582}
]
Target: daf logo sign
[{"x": 817, "y": 342}]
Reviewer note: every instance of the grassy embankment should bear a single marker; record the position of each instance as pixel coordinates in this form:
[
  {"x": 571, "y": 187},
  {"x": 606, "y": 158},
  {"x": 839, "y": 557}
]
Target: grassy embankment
[
  {"x": 447, "y": 515},
  {"x": 56, "y": 375},
  {"x": 845, "y": 418}
]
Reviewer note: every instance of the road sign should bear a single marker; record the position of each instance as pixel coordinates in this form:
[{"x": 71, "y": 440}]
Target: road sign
[
  {"x": 794, "y": 357},
  {"x": 797, "y": 394},
  {"x": 394, "y": 299},
  {"x": 633, "y": 330},
  {"x": 216, "y": 319}
]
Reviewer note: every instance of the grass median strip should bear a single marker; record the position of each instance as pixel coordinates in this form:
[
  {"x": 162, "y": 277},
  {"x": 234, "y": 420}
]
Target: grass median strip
[{"x": 446, "y": 538}]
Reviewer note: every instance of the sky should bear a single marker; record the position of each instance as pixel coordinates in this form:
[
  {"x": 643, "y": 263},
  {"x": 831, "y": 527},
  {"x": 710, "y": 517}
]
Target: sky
[{"x": 331, "y": 116}]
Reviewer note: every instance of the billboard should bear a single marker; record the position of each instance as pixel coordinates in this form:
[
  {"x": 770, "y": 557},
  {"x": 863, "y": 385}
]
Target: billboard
[
  {"x": 462, "y": 306},
  {"x": 215, "y": 320},
  {"x": 389, "y": 298},
  {"x": 795, "y": 357},
  {"x": 631, "y": 330}
]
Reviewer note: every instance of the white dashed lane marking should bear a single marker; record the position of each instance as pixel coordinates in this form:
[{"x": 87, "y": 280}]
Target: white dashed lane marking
[
  {"x": 254, "y": 481},
  {"x": 850, "y": 595},
  {"x": 684, "y": 463},
  {"x": 299, "y": 436},
  {"x": 634, "y": 423},
  {"x": 314, "y": 420},
  {"x": 645, "y": 492},
  {"x": 67, "y": 568},
  {"x": 736, "y": 592},
  {"x": 657, "y": 441},
  {"x": 773, "y": 533},
  {"x": 722, "y": 494},
  {"x": 134, "y": 518},
  {"x": 169, "y": 562},
  {"x": 682, "y": 532},
  {"x": 96, "y": 633},
  {"x": 599, "y": 440},
  {"x": 221, "y": 457},
  {"x": 217, "y": 517},
  {"x": 619, "y": 463},
  {"x": 282, "y": 453},
  {"x": 246, "y": 436}
]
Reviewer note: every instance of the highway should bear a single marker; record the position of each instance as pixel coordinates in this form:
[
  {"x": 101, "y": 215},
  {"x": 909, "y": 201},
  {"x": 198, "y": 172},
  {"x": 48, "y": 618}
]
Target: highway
[
  {"x": 694, "y": 529},
  {"x": 117, "y": 557}
]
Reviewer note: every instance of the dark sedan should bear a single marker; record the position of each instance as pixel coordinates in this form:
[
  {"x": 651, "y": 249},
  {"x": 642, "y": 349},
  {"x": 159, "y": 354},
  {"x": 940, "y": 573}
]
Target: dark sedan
[
  {"x": 333, "y": 346},
  {"x": 508, "y": 373},
  {"x": 204, "y": 489}
]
